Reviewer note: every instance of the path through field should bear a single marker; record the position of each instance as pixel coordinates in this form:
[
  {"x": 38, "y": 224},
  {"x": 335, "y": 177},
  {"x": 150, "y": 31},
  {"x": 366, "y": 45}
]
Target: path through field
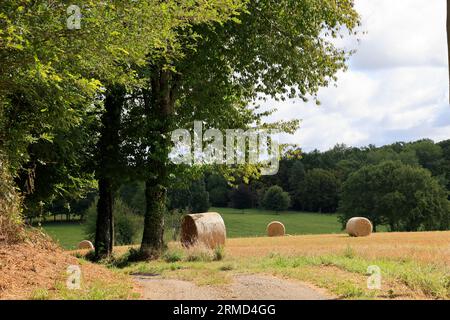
[{"x": 243, "y": 287}]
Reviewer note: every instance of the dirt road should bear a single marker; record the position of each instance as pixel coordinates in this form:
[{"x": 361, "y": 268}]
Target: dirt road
[{"x": 243, "y": 287}]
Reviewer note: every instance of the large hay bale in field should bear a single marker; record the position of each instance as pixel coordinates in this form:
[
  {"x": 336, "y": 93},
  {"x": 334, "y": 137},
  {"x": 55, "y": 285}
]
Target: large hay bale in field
[
  {"x": 359, "y": 227},
  {"x": 276, "y": 229},
  {"x": 86, "y": 244},
  {"x": 203, "y": 228}
]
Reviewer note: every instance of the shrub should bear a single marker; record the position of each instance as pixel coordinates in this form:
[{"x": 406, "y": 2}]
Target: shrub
[
  {"x": 219, "y": 196},
  {"x": 11, "y": 224},
  {"x": 193, "y": 198},
  {"x": 199, "y": 200},
  {"x": 219, "y": 253},
  {"x": 276, "y": 199},
  {"x": 127, "y": 224},
  {"x": 242, "y": 197},
  {"x": 173, "y": 256}
]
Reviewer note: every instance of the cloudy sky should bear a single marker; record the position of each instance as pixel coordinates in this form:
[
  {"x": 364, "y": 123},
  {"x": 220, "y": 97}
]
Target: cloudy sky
[{"x": 396, "y": 86}]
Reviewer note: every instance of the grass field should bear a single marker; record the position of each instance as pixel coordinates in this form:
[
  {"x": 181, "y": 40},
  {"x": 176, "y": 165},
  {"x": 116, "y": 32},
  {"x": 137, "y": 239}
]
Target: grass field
[
  {"x": 239, "y": 223},
  {"x": 253, "y": 222},
  {"x": 67, "y": 234}
]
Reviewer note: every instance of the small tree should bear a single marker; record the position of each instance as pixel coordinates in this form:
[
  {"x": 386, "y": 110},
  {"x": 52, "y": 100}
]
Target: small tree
[
  {"x": 193, "y": 198},
  {"x": 199, "y": 200},
  {"x": 242, "y": 197},
  {"x": 276, "y": 199}
]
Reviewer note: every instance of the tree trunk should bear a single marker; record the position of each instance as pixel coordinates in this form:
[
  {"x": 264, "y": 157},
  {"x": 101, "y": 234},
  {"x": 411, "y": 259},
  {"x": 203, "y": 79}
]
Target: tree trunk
[
  {"x": 104, "y": 231},
  {"x": 159, "y": 113},
  {"x": 107, "y": 171}
]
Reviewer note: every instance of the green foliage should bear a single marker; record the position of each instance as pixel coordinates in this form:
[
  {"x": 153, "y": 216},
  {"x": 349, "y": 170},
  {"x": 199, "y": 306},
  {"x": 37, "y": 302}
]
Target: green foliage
[
  {"x": 132, "y": 194},
  {"x": 428, "y": 153},
  {"x": 11, "y": 224},
  {"x": 319, "y": 192},
  {"x": 407, "y": 198},
  {"x": 218, "y": 190},
  {"x": 242, "y": 197},
  {"x": 219, "y": 253},
  {"x": 199, "y": 198},
  {"x": 276, "y": 199},
  {"x": 193, "y": 198},
  {"x": 219, "y": 197},
  {"x": 172, "y": 256},
  {"x": 127, "y": 225}
]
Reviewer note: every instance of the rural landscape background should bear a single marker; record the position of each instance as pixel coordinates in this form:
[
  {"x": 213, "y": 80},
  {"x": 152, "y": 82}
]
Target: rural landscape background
[{"x": 90, "y": 94}]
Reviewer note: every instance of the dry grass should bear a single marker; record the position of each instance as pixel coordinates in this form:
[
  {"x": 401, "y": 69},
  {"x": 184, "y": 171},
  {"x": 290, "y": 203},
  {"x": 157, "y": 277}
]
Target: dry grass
[
  {"x": 413, "y": 265},
  {"x": 36, "y": 269},
  {"x": 424, "y": 247}
]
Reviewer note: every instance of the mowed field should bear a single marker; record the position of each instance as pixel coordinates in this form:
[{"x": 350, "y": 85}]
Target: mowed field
[
  {"x": 253, "y": 222},
  {"x": 425, "y": 247},
  {"x": 67, "y": 234},
  {"x": 239, "y": 223}
]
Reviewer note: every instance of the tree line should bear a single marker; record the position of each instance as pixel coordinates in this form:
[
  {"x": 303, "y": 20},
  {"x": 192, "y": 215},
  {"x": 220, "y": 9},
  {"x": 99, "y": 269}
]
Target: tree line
[{"x": 403, "y": 185}]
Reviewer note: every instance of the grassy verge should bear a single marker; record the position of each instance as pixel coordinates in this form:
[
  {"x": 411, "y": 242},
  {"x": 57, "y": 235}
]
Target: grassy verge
[{"x": 96, "y": 284}]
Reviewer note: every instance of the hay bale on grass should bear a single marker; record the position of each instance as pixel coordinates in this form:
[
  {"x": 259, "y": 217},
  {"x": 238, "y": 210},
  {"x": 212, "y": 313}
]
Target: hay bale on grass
[
  {"x": 204, "y": 228},
  {"x": 276, "y": 229},
  {"x": 86, "y": 244},
  {"x": 359, "y": 227}
]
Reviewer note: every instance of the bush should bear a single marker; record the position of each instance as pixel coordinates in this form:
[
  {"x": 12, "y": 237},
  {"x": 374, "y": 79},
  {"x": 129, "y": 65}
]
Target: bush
[
  {"x": 219, "y": 253},
  {"x": 199, "y": 200},
  {"x": 242, "y": 197},
  {"x": 173, "y": 255},
  {"x": 219, "y": 197},
  {"x": 217, "y": 187},
  {"x": 407, "y": 198},
  {"x": 276, "y": 199},
  {"x": 127, "y": 224},
  {"x": 194, "y": 198},
  {"x": 11, "y": 224}
]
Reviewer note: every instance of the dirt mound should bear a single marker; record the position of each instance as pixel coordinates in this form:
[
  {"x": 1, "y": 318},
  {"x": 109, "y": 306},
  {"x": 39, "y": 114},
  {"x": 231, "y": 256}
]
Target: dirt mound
[{"x": 38, "y": 263}]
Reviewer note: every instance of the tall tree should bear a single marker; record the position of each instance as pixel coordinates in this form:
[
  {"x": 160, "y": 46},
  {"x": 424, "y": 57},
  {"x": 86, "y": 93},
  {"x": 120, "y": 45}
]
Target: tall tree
[
  {"x": 279, "y": 48},
  {"x": 109, "y": 163}
]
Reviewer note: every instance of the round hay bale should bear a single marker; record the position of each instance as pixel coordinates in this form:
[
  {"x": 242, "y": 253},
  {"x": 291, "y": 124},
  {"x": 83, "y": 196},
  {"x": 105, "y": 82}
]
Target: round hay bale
[
  {"x": 203, "y": 228},
  {"x": 86, "y": 244},
  {"x": 276, "y": 229},
  {"x": 359, "y": 227}
]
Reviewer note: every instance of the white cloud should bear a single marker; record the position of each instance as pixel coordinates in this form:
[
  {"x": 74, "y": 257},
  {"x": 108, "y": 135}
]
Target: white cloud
[{"x": 396, "y": 88}]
